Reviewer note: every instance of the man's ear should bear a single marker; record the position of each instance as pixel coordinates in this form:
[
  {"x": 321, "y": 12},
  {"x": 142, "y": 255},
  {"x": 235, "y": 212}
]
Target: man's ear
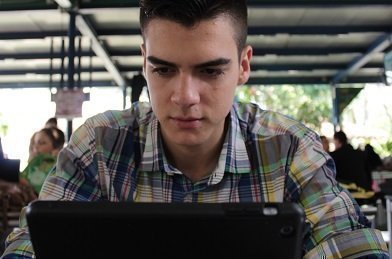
[
  {"x": 246, "y": 56},
  {"x": 143, "y": 50}
]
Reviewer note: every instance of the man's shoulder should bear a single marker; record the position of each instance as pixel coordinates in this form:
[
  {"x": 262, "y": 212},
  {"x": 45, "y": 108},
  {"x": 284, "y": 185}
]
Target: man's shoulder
[
  {"x": 138, "y": 113},
  {"x": 268, "y": 123},
  {"x": 110, "y": 130}
]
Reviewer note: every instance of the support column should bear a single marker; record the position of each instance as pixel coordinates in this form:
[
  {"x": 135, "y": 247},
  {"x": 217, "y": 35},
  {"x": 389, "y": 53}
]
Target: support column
[
  {"x": 71, "y": 62},
  {"x": 335, "y": 109}
]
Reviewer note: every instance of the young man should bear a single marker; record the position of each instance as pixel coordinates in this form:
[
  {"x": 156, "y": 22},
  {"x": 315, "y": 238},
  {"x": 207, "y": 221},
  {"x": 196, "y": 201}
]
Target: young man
[{"x": 192, "y": 144}]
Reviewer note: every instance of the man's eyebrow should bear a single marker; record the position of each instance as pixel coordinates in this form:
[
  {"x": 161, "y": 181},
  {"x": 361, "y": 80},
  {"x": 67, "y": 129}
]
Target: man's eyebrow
[
  {"x": 211, "y": 63},
  {"x": 215, "y": 62},
  {"x": 158, "y": 61}
]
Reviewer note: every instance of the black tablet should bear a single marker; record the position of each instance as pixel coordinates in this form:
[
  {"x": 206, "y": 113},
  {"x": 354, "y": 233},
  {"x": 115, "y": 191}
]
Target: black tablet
[{"x": 64, "y": 229}]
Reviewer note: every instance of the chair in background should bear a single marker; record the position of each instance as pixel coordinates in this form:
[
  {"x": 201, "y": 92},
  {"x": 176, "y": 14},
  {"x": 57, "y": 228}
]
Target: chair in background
[{"x": 388, "y": 199}]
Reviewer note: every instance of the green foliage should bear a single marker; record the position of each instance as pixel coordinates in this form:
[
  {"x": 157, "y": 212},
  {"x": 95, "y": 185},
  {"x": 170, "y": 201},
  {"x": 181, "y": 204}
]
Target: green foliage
[
  {"x": 387, "y": 148},
  {"x": 310, "y": 104},
  {"x": 3, "y": 127}
]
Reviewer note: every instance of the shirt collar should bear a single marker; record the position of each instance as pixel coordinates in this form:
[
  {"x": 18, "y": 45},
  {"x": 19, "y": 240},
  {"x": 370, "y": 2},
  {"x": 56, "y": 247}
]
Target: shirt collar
[{"x": 232, "y": 159}]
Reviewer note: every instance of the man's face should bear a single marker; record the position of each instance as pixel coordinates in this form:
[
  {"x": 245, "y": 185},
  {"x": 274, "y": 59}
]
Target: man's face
[{"x": 192, "y": 74}]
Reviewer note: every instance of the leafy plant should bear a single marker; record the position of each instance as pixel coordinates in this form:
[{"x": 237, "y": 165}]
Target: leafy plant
[{"x": 310, "y": 104}]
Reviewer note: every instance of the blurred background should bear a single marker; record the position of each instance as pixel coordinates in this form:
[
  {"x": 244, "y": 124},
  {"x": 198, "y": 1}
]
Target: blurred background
[{"x": 325, "y": 63}]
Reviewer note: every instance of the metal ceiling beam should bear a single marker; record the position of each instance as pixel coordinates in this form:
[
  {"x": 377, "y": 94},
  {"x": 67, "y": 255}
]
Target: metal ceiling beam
[
  {"x": 252, "y": 81},
  {"x": 86, "y": 29},
  {"x": 136, "y": 68},
  {"x": 45, "y": 84},
  {"x": 251, "y": 3},
  {"x": 302, "y": 3},
  {"x": 111, "y": 4},
  {"x": 20, "y": 35},
  {"x": 316, "y": 3},
  {"x": 26, "y": 6},
  {"x": 252, "y": 30},
  {"x": 255, "y": 3},
  {"x": 38, "y": 55},
  {"x": 307, "y": 51},
  {"x": 311, "y": 80},
  {"x": 47, "y": 71},
  {"x": 256, "y": 52},
  {"x": 379, "y": 45},
  {"x": 44, "y": 4},
  {"x": 318, "y": 30},
  {"x": 307, "y": 67}
]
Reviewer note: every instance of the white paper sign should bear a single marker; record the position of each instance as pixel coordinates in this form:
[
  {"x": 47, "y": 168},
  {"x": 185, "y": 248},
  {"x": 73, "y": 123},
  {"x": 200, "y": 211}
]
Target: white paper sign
[{"x": 69, "y": 103}]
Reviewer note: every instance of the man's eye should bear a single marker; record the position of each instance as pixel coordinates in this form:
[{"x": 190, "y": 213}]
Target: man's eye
[
  {"x": 213, "y": 72},
  {"x": 162, "y": 71}
]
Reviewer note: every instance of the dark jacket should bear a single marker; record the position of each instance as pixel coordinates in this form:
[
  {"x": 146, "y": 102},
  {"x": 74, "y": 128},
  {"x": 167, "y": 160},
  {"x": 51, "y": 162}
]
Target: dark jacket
[{"x": 351, "y": 166}]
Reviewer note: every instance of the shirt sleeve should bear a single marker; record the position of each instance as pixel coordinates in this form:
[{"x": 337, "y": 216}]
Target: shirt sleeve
[
  {"x": 18, "y": 244},
  {"x": 76, "y": 175},
  {"x": 336, "y": 227}
]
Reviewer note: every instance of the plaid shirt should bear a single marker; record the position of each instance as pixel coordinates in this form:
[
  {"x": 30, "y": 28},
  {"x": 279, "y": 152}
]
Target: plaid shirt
[{"x": 266, "y": 157}]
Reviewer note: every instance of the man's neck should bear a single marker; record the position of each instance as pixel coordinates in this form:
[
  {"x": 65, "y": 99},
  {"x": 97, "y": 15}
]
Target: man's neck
[{"x": 195, "y": 162}]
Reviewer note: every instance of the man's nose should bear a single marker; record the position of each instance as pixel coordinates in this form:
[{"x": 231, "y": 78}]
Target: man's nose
[{"x": 186, "y": 91}]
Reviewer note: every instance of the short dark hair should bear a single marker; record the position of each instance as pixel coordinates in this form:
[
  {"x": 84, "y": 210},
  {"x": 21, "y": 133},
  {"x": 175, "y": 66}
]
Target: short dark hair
[
  {"x": 189, "y": 12},
  {"x": 341, "y": 136}
]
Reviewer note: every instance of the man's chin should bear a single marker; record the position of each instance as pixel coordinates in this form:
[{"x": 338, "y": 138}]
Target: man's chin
[{"x": 185, "y": 139}]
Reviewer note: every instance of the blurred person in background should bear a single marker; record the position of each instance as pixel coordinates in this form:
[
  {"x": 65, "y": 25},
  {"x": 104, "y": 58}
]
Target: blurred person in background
[
  {"x": 373, "y": 160},
  {"x": 325, "y": 142},
  {"x": 31, "y": 147},
  {"x": 58, "y": 134},
  {"x": 44, "y": 148},
  {"x": 350, "y": 163}
]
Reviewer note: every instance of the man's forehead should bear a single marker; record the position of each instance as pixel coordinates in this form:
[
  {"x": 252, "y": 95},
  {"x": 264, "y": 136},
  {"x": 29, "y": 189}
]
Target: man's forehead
[
  {"x": 207, "y": 41},
  {"x": 221, "y": 20}
]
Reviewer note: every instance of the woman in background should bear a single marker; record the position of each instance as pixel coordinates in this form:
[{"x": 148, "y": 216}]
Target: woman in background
[{"x": 44, "y": 147}]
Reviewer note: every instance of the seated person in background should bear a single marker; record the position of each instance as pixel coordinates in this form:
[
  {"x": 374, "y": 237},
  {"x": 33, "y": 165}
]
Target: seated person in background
[
  {"x": 350, "y": 163},
  {"x": 58, "y": 134},
  {"x": 374, "y": 161},
  {"x": 51, "y": 123},
  {"x": 44, "y": 150},
  {"x": 193, "y": 144},
  {"x": 59, "y": 139},
  {"x": 31, "y": 147},
  {"x": 325, "y": 142}
]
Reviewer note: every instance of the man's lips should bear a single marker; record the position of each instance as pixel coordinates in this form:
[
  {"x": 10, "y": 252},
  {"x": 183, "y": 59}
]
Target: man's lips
[
  {"x": 185, "y": 118},
  {"x": 186, "y": 122}
]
